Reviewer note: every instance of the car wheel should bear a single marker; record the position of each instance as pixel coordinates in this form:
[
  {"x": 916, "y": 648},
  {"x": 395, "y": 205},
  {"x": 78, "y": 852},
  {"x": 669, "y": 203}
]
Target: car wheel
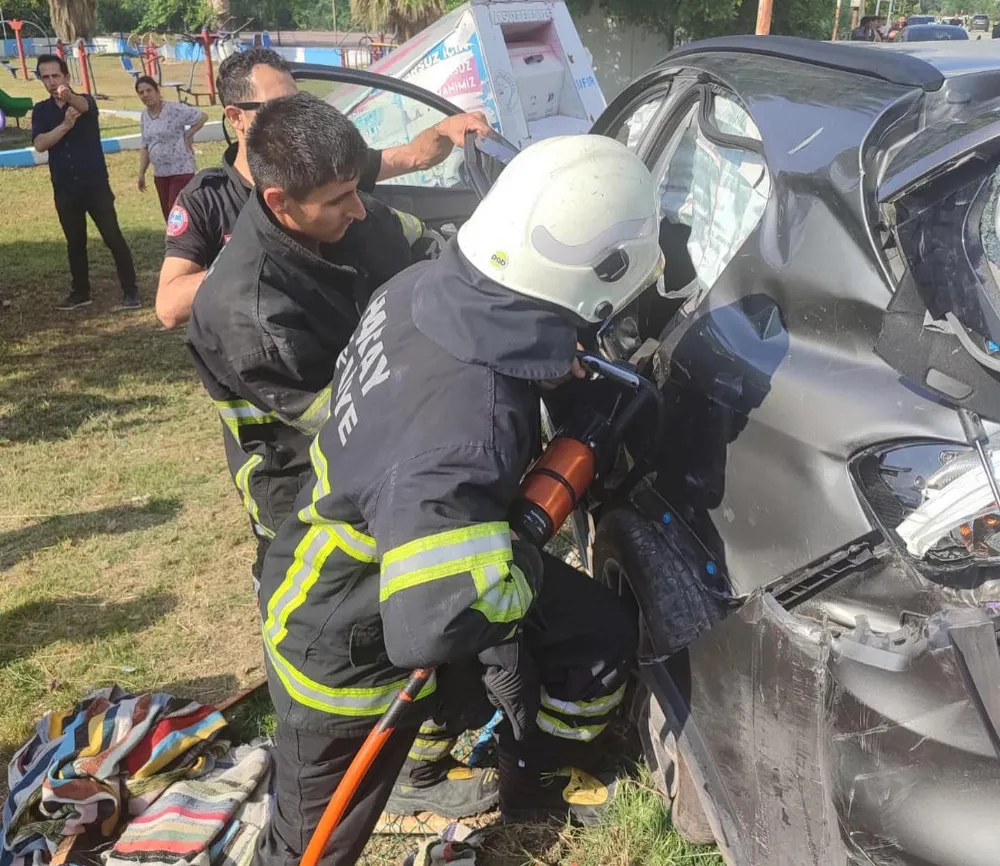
[{"x": 631, "y": 555}]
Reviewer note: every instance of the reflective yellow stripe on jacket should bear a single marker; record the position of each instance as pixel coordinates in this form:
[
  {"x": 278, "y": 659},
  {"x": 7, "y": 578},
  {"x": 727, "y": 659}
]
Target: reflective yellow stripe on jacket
[
  {"x": 597, "y": 707},
  {"x": 413, "y": 228},
  {"x": 243, "y": 485},
  {"x": 321, "y": 539},
  {"x": 241, "y": 413},
  {"x": 483, "y": 551},
  {"x": 312, "y": 420},
  {"x": 558, "y": 728}
]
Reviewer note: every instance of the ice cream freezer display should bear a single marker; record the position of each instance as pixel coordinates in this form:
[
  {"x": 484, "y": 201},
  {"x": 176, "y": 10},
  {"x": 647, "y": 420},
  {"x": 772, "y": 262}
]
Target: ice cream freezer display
[{"x": 520, "y": 62}]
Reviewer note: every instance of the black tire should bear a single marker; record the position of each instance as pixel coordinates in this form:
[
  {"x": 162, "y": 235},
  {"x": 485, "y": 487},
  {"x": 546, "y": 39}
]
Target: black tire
[{"x": 632, "y": 555}]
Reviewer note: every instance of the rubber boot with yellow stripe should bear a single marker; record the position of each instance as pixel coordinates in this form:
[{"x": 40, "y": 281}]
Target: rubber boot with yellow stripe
[
  {"x": 433, "y": 781},
  {"x": 532, "y": 791}
]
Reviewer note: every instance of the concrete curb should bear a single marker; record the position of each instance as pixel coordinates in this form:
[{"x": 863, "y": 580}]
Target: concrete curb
[{"x": 26, "y": 157}]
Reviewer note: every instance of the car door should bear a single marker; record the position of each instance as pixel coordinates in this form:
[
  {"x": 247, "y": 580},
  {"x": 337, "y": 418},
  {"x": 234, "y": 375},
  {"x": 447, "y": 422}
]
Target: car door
[
  {"x": 389, "y": 113},
  {"x": 705, "y": 155}
]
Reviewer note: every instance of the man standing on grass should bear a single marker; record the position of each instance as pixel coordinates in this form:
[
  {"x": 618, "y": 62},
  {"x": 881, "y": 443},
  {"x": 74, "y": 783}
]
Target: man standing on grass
[{"x": 65, "y": 125}]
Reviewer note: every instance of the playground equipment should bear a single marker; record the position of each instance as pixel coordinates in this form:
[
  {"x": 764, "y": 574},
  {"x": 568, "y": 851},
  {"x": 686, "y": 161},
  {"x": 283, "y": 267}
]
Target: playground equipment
[
  {"x": 375, "y": 47},
  {"x": 16, "y": 25},
  {"x": 15, "y": 106},
  {"x": 154, "y": 47},
  {"x": 84, "y": 68},
  {"x": 154, "y": 68}
]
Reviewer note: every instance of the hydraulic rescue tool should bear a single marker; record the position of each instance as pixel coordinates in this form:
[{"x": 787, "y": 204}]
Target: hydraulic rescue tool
[{"x": 581, "y": 453}]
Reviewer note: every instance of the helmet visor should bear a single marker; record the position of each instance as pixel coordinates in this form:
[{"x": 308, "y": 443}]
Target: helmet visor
[{"x": 595, "y": 250}]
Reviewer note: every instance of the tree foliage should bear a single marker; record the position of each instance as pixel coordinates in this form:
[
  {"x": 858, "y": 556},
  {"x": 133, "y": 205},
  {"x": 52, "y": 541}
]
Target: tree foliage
[
  {"x": 178, "y": 16},
  {"x": 191, "y": 15},
  {"x": 685, "y": 20},
  {"x": 405, "y": 18},
  {"x": 680, "y": 20},
  {"x": 35, "y": 11}
]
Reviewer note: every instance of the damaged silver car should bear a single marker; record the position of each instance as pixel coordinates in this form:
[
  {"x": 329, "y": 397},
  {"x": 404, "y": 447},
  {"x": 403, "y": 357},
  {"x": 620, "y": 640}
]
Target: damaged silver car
[{"x": 815, "y": 558}]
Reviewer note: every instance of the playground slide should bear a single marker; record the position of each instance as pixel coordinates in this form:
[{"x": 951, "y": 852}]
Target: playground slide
[{"x": 15, "y": 106}]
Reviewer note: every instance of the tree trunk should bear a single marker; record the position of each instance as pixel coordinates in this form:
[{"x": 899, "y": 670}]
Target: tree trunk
[
  {"x": 222, "y": 10},
  {"x": 73, "y": 19}
]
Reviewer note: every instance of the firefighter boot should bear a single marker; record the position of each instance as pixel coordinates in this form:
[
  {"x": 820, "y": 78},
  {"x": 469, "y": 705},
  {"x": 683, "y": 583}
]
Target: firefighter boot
[
  {"x": 444, "y": 787},
  {"x": 534, "y": 790}
]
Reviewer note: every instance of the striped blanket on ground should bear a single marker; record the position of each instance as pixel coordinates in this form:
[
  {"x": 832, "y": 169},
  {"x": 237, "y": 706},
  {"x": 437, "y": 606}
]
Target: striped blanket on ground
[
  {"x": 87, "y": 770},
  {"x": 208, "y": 820}
]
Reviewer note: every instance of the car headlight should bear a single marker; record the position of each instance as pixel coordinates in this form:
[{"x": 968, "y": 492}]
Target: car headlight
[{"x": 934, "y": 499}]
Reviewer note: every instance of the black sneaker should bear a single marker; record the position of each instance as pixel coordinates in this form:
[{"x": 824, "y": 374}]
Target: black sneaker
[
  {"x": 462, "y": 792},
  {"x": 131, "y": 302},
  {"x": 74, "y": 301}
]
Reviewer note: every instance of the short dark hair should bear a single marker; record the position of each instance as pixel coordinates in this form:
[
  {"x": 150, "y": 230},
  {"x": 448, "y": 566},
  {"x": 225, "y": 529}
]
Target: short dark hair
[
  {"x": 51, "y": 58},
  {"x": 233, "y": 81},
  {"x": 299, "y": 143},
  {"x": 145, "y": 79}
]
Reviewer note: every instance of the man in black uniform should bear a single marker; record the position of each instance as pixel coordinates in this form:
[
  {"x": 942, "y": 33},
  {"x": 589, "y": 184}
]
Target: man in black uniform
[
  {"x": 65, "y": 126},
  {"x": 278, "y": 306},
  {"x": 203, "y": 217},
  {"x": 399, "y": 554}
]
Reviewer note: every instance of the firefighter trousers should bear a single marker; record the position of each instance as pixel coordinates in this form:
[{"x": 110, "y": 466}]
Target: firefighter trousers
[{"x": 582, "y": 640}]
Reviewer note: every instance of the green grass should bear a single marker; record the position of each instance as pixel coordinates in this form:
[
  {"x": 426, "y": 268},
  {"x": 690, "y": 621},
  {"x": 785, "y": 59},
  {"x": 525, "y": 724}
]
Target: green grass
[
  {"x": 124, "y": 552},
  {"x": 635, "y": 832}
]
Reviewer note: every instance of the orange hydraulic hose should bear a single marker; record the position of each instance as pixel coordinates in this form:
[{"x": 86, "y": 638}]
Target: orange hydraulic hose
[{"x": 363, "y": 760}]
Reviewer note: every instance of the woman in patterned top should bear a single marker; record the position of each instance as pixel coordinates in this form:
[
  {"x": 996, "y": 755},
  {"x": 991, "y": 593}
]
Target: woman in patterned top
[{"x": 168, "y": 130}]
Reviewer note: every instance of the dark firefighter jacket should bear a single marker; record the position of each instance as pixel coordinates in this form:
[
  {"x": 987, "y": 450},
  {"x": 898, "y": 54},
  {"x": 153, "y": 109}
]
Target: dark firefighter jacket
[
  {"x": 399, "y": 554},
  {"x": 266, "y": 328}
]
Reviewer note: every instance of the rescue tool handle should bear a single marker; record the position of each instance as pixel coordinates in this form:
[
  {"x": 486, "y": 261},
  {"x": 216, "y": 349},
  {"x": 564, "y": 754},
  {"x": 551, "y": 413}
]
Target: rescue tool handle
[
  {"x": 362, "y": 763},
  {"x": 616, "y": 372},
  {"x": 646, "y": 395}
]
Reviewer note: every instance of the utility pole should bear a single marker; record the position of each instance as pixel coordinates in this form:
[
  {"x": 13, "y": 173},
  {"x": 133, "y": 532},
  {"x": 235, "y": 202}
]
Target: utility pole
[
  {"x": 333, "y": 3},
  {"x": 764, "y": 17},
  {"x": 836, "y": 23}
]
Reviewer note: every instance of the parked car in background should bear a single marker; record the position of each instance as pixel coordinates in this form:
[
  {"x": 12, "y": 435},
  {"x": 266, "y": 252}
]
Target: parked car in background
[
  {"x": 931, "y": 33},
  {"x": 980, "y": 22},
  {"x": 920, "y": 19},
  {"x": 952, "y": 22}
]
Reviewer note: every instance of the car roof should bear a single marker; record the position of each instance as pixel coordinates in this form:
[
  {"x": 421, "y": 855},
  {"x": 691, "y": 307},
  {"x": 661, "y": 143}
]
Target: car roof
[
  {"x": 912, "y": 64},
  {"x": 951, "y": 57},
  {"x": 922, "y": 28}
]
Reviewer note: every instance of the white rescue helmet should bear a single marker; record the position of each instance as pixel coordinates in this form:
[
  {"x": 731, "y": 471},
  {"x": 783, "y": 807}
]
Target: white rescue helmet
[{"x": 573, "y": 221}]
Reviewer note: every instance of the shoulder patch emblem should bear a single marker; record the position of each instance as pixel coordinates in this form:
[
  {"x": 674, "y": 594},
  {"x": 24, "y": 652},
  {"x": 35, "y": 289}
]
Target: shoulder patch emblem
[{"x": 178, "y": 221}]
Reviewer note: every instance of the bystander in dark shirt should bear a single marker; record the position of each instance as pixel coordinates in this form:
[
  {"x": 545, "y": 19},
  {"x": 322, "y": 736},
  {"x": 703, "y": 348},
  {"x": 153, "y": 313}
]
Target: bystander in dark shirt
[{"x": 77, "y": 160}]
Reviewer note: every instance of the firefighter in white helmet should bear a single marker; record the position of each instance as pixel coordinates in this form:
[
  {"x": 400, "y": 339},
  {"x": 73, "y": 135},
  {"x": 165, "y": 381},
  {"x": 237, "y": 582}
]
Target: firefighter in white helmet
[
  {"x": 572, "y": 221},
  {"x": 399, "y": 554}
]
